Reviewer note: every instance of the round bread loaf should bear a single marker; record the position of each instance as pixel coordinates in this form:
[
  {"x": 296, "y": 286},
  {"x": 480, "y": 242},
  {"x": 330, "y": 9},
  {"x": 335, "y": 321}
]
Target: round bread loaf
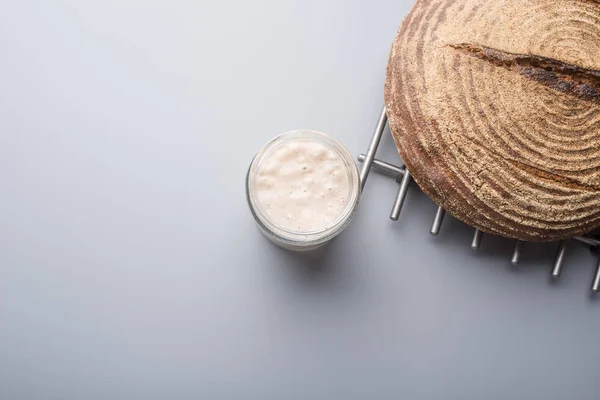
[{"x": 495, "y": 108}]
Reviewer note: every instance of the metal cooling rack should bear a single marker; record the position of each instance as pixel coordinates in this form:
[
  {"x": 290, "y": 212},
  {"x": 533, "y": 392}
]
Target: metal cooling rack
[{"x": 403, "y": 177}]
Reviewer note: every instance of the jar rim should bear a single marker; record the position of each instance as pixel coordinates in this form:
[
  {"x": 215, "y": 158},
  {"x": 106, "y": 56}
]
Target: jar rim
[{"x": 305, "y": 238}]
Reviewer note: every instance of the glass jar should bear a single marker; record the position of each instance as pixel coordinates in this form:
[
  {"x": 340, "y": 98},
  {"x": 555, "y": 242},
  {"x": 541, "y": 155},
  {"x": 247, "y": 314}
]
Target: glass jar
[{"x": 303, "y": 189}]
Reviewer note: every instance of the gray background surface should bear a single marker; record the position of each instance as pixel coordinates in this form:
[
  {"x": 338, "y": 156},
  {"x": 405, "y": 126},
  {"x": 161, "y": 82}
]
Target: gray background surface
[{"x": 130, "y": 267}]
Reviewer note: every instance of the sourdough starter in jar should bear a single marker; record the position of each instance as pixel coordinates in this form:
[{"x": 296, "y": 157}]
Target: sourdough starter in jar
[{"x": 303, "y": 189}]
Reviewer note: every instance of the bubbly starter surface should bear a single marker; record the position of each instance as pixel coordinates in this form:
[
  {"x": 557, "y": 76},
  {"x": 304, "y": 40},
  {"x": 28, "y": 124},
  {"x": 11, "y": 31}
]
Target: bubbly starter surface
[{"x": 302, "y": 186}]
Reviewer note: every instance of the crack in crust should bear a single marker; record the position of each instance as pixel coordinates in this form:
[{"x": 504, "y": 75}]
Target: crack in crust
[{"x": 566, "y": 78}]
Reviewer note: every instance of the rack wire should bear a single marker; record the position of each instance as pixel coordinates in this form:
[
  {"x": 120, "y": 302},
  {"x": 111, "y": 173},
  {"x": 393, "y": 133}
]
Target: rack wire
[{"x": 403, "y": 177}]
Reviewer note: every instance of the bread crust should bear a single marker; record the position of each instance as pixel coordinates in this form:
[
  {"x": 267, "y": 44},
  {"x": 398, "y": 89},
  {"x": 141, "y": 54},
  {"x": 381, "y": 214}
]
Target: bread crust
[{"x": 494, "y": 106}]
